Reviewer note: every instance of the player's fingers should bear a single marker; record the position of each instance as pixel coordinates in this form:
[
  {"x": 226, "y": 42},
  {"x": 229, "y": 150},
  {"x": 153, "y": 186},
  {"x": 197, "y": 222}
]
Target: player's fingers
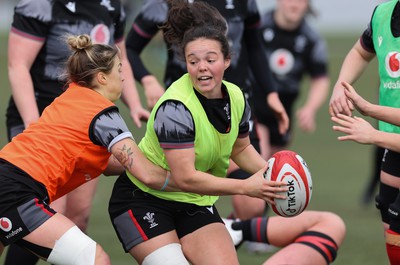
[
  {"x": 330, "y": 110},
  {"x": 358, "y": 119},
  {"x": 347, "y": 108},
  {"x": 351, "y": 107},
  {"x": 345, "y": 117},
  {"x": 345, "y": 138},
  {"x": 137, "y": 122},
  {"x": 349, "y": 89},
  {"x": 341, "y": 122},
  {"x": 270, "y": 201},
  {"x": 272, "y": 195},
  {"x": 277, "y": 183},
  {"x": 335, "y": 109},
  {"x": 341, "y": 129}
]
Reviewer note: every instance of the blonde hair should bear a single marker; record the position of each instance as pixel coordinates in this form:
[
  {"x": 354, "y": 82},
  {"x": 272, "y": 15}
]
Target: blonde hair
[{"x": 87, "y": 59}]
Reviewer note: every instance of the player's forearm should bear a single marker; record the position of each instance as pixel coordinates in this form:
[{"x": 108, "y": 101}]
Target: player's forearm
[
  {"x": 132, "y": 159},
  {"x": 249, "y": 154},
  {"x": 23, "y": 94},
  {"x": 384, "y": 113},
  {"x": 354, "y": 64},
  {"x": 386, "y": 140},
  {"x": 130, "y": 95},
  {"x": 207, "y": 184}
]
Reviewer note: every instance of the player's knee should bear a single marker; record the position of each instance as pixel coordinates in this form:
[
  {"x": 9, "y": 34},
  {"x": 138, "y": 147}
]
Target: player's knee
[
  {"x": 101, "y": 256},
  {"x": 247, "y": 207},
  {"x": 321, "y": 242},
  {"x": 170, "y": 254},
  {"x": 74, "y": 247},
  {"x": 79, "y": 215},
  {"x": 81, "y": 222},
  {"x": 337, "y": 226}
]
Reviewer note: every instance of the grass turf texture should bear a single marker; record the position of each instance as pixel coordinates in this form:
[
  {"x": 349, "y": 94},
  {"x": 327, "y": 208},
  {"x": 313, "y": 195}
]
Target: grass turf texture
[{"x": 339, "y": 170}]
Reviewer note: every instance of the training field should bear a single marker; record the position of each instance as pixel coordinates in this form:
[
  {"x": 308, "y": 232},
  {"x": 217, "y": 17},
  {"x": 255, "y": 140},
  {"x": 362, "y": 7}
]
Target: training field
[{"x": 339, "y": 171}]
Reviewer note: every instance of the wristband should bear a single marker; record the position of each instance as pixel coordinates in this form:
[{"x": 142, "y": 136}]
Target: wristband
[{"x": 166, "y": 181}]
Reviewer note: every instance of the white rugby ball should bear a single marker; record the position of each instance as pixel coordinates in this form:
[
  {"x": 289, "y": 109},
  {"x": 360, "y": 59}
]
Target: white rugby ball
[{"x": 290, "y": 167}]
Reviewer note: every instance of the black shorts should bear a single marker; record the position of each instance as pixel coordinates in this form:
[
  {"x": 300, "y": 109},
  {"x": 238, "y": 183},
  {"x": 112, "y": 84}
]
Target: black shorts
[
  {"x": 266, "y": 116},
  {"x": 138, "y": 216},
  {"x": 390, "y": 163},
  {"x": 23, "y": 204}
]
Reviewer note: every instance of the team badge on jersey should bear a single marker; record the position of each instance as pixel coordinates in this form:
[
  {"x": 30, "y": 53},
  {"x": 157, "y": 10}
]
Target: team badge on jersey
[
  {"x": 392, "y": 64},
  {"x": 100, "y": 34},
  {"x": 281, "y": 61},
  {"x": 5, "y": 224}
]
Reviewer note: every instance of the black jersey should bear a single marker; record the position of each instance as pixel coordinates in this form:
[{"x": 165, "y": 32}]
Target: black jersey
[
  {"x": 48, "y": 21},
  {"x": 291, "y": 54},
  {"x": 243, "y": 19}
]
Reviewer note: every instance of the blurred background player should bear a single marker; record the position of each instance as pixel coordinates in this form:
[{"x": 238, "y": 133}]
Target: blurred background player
[
  {"x": 292, "y": 48},
  {"x": 381, "y": 40},
  {"x": 36, "y": 53}
]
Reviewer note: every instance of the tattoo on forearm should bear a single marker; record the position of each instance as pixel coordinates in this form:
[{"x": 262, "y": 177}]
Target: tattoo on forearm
[{"x": 125, "y": 156}]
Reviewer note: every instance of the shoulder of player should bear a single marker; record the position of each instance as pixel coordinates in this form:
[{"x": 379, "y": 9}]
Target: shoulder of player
[
  {"x": 154, "y": 10},
  {"x": 267, "y": 19},
  {"x": 38, "y": 9},
  {"x": 309, "y": 30}
]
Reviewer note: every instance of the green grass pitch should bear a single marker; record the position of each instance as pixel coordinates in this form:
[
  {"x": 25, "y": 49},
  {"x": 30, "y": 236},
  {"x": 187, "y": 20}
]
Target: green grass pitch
[{"x": 339, "y": 170}]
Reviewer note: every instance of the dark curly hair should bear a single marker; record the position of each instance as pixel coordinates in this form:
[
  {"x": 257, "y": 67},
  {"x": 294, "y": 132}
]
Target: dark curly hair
[{"x": 190, "y": 21}]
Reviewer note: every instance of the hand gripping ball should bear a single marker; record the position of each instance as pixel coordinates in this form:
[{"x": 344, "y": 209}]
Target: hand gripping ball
[{"x": 290, "y": 167}]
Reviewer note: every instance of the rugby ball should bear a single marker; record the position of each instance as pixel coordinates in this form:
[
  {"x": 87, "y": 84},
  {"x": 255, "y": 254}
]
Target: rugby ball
[{"x": 290, "y": 167}]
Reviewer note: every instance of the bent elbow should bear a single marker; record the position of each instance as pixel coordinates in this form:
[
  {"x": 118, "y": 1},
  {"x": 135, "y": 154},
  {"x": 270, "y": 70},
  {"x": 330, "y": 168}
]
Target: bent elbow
[
  {"x": 149, "y": 181},
  {"x": 185, "y": 185}
]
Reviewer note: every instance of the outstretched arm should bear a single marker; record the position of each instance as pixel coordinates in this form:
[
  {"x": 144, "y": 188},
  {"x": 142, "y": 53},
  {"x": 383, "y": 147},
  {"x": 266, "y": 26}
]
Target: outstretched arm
[
  {"x": 360, "y": 131},
  {"x": 383, "y": 113},
  {"x": 189, "y": 179}
]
